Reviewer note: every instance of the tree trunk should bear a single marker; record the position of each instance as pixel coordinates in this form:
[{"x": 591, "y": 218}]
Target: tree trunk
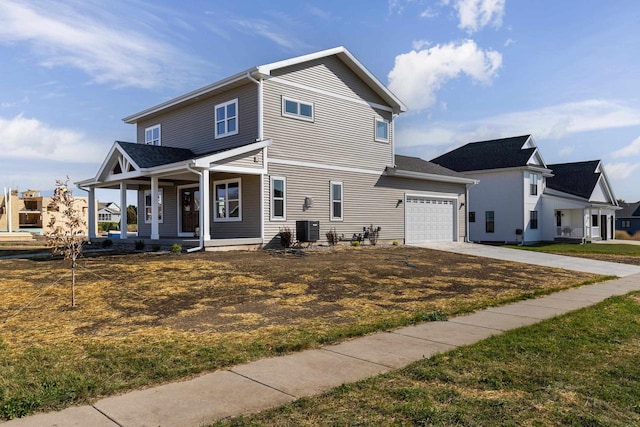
[{"x": 73, "y": 283}]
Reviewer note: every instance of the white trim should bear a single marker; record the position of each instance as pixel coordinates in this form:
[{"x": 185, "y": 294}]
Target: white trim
[
  {"x": 322, "y": 166},
  {"x": 331, "y": 217},
  {"x": 215, "y": 200},
  {"x": 237, "y": 169},
  {"x": 204, "y": 162},
  {"x": 298, "y": 115},
  {"x": 179, "y": 210},
  {"x": 430, "y": 176},
  {"x": 377, "y": 120},
  {"x": 272, "y": 199},
  {"x": 226, "y": 119},
  {"x": 331, "y": 94},
  {"x": 151, "y": 128}
]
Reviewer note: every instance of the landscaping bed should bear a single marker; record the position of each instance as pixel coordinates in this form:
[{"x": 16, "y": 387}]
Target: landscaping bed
[{"x": 149, "y": 318}]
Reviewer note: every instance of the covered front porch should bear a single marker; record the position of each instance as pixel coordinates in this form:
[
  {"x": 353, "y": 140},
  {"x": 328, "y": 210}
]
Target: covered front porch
[
  {"x": 214, "y": 200},
  {"x": 585, "y": 225}
]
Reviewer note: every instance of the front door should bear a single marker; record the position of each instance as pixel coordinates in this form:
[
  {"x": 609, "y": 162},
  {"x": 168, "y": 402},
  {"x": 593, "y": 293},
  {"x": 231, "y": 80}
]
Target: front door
[
  {"x": 190, "y": 198},
  {"x": 603, "y": 227}
]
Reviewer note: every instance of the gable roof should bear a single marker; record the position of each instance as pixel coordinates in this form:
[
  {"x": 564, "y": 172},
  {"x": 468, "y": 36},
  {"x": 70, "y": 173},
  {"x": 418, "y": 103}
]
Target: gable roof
[
  {"x": 148, "y": 156},
  {"x": 417, "y": 168},
  {"x": 491, "y": 154},
  {"x": 261, "y": 71},
  {"x": 578, "y": 178},
  {"x": 629, "y": 210}
]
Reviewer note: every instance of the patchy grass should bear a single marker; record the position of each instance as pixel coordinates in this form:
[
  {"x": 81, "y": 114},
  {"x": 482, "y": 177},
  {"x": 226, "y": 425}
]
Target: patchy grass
[
  {"x": 149, "y": 318},
  {"x": 622, "y": 253},
  {"x": 580, "y": 369}
]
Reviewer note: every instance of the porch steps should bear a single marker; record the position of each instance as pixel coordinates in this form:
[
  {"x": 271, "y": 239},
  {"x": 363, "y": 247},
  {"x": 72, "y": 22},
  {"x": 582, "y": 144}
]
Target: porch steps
[{"x": 17, "y": 236}]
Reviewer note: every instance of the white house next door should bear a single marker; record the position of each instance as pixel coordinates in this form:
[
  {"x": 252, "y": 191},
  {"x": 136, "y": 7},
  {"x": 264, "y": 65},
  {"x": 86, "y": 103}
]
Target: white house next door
[{"x": 429, "y": 220}]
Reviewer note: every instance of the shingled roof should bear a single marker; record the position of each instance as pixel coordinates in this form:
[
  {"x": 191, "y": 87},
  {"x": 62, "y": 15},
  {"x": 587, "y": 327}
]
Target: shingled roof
[
  {"x": 416, "y": 164},
  {"x": 148, "y": 156},
  {"x": 492, "y": 154},
  {"x": 629, "y": 210},
  {"x": 579, "y": 178}
]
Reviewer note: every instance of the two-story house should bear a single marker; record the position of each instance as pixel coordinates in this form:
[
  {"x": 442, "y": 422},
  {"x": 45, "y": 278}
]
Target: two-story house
[
  {"x": 307, "y": 138},
  {"x": 522, "y": 199}
]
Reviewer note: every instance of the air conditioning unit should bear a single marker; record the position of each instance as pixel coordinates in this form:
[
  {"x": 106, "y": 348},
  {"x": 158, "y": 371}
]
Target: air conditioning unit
[{"x": 307, "y": 231}]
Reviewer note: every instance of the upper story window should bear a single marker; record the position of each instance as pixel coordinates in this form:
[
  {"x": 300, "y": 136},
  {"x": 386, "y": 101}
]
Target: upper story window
[
  {"x": 297, "y": 109},
  {"x": 152, "y": 135},
  {"x": 533, "y": 186},
  {"x": 227, "y": 118},
  {"x": 382, "y": 130}
]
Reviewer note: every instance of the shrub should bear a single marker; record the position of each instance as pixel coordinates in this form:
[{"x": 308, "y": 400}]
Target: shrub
[
  {"x": 139, "y": 245},
  {"x": 395, "y": 243},
  {"x": 106, "y": 243},
  {"x": 355, "y": 243},
  {"x": 176, "y": 248},
  {"x": 374, "y": 232},
  {"x": 332, "y": 237},
  {"x": 108, "y": 226},
  {"x": 286, "y": 237}
]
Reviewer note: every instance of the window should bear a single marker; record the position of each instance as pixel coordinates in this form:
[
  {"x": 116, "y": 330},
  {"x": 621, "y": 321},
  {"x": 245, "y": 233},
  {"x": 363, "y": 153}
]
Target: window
[
  {"x": 278, "y": 198},
  {"x": 533, "y": 220},
  {"x": 489, "y": 221},
  {"x": 297, "y": 109},
  {"x": 147, "y": 206},
  {"x": 227, "y": 200},
  {"x": 104, "y": 217},
  {"x": 336, "y": 201},
  {"x": 152, "y": 135},
  {"x": 533, "y": 187},
  {"x": 472, "y": 217},
  {"x": 626, "y": 223},
  {"x": 382, "y": 130},
  {"x": 227, "y": 119},
  {"x": 594, "y": 220}
]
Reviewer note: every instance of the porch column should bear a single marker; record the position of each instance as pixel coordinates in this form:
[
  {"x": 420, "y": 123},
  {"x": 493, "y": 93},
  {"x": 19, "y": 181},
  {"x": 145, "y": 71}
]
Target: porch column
[
  {"x": 123, "y": 210},
  {"x": 262, "y": 207},
  {"x": 92, "y": 213},
  {"x": 205, "y": 229},
  {"x": 590, "y": 217},
  {"x": 155, "y": 233}
]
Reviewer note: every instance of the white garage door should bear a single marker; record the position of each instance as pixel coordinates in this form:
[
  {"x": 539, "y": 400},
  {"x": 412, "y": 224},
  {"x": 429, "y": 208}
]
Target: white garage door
[{"x": 429, "y": 220}]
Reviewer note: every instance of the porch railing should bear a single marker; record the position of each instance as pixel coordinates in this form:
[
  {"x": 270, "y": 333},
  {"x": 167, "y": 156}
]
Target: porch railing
[{"x": 570, "y": 232}]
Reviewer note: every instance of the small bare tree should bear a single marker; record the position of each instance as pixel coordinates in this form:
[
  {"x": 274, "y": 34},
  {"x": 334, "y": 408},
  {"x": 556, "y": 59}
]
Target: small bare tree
[{"x": 66, "y": 229}]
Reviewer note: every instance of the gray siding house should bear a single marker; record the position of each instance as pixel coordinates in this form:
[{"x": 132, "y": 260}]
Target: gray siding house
[{"x": 308, "y": 138}]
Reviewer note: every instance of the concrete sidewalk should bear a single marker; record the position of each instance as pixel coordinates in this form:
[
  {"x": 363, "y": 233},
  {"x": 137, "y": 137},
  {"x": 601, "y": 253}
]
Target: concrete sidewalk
[
  {"x": 538, "y": 258},
  {"x": 271, "y": 382}
]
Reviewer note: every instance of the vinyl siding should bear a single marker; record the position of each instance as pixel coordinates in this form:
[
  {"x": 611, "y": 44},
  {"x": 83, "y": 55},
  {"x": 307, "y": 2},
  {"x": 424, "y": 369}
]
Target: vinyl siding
[
  {"x": 192, "y": 126},
  {"x": 342, "y": 132},
  {"x": 330, "y": 74},
  {"x": 250, "y": 199},
  {"x": 252, "y": 160},
  {"x": 368, "y": 200},
  {"x": 169, "y": 226}
]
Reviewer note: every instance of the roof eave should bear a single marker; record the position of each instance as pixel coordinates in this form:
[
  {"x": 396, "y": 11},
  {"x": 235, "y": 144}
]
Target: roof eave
[{"x": 430, "y": 177}]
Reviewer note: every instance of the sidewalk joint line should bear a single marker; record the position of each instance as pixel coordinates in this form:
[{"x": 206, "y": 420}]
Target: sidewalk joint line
[
  {"x": 263, "y": 384},
  {"x": 107, "y": 416},
  {"x": 357, "y": 358}
]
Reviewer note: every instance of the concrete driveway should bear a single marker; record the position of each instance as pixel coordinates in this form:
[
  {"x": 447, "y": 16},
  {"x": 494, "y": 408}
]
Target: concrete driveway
[{"x": 537, "y": 258}]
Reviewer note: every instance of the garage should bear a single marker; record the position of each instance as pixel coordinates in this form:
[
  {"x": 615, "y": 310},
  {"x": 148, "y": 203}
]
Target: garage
[{"x": 429, "y": 220}]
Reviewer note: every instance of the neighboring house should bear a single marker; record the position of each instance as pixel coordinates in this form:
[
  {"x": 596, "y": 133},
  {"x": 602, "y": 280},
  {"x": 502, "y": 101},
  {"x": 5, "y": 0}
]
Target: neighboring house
[
  {"x": 9, "y": 206},
  {"x": 35, "y": 213},
  {"x": 522, "y": 199},
  {"x": 628, "y": 218},
  {"x": 307, "y": 138},
  {"x": 108, "y": 212}
]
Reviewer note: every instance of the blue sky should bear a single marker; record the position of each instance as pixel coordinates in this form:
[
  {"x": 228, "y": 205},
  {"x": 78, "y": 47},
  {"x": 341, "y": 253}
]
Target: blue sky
[{"x": 564, "y": 71}]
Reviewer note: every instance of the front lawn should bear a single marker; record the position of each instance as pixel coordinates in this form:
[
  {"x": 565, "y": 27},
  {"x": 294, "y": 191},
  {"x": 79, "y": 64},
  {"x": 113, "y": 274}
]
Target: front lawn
[
  {"x": 149, "y": 318},
  {"x": 581, "y": 369},
  {"x": 622, "y": 253}
]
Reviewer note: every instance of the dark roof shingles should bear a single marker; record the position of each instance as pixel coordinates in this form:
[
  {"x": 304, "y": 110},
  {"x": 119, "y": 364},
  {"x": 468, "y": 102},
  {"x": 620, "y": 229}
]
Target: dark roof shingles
[
  {"x": 579, "y": 178},
  {"x": 416, "y": 164},
  {"x": 484, "y": 155},
  {"x": 148, "y": 156},
  {"x": 629, "y": 210}
]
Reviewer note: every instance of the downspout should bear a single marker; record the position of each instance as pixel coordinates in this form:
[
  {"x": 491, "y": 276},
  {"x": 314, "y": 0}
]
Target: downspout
[
  {"x": 466, "y": 213},
  {"x": 264, "y": 150},
  {"x": 201, "y": 237}
]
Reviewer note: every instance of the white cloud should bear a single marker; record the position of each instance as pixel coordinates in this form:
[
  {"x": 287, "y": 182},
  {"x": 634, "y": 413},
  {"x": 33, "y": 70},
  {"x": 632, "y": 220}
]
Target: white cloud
[
  {"x": 621, "y": 170},
  {"x": 91, "y": 40},
  {"x": 632, "y": 149},
  {"x": 509, "y": 42},
  {"x": 28, "y": 138},
  {"x": 428, "y": 13},
  {"x": 419, "y": 74},
  {"x": 554, "y": 122},
  {"x": 273, "y": 31},
  {"x": 476, "y": 14}
]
